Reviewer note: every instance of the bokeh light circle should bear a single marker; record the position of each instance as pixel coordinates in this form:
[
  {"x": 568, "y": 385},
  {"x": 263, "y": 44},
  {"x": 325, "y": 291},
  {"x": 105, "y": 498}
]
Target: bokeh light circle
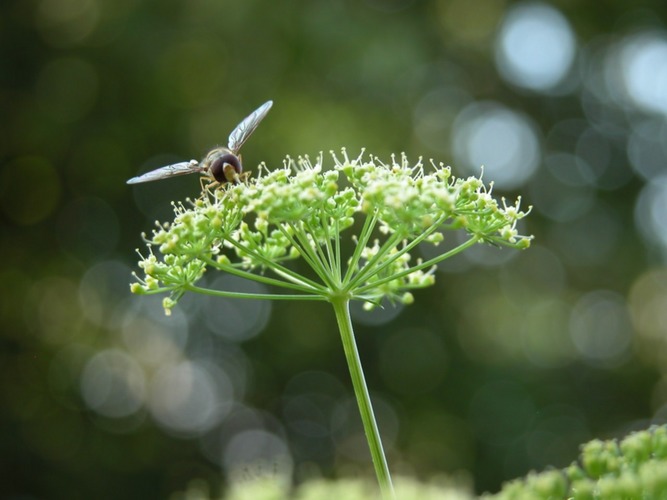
[
  {"x": 113, "y": 384},
  {"x": 647, "y": 147},
  {"x": 601, "y": 328},
  {"x": 237, "y": 319},
  {"x": 503, "y": 141},
  {"x": 188, "y": 398},
  {"x": 536, "y": 47},
  {"x": 650, "y": 211},
  {"x": 255, "y": 447},
  {"x": 643, "y": 70}
]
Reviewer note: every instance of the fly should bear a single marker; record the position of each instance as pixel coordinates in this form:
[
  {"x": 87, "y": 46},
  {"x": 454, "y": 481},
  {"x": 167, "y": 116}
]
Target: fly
[{"x": 220, "y": 164}]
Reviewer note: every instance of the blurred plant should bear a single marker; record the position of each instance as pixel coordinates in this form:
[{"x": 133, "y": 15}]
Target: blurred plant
[
  {"x": 268, "y": 487},
  {"x": 302, "y": 211},
  {"x": 634, "y": 468}
]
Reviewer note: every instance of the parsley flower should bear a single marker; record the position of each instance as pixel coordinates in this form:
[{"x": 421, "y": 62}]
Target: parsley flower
[{"x": 382, "y": 211}]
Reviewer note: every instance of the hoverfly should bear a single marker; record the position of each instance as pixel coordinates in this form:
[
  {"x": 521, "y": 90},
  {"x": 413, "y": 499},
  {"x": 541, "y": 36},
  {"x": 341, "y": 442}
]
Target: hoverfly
[{"x": 221, "y": 164}]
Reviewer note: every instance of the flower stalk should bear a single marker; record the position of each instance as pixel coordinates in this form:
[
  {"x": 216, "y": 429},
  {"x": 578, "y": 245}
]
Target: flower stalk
[
  {"x": 304, "y": 211},
  {"x": 341, "y": 307}
]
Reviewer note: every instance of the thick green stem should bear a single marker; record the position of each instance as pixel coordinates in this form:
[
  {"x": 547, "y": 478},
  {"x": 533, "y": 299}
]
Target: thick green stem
[{"x": 342, "y": 309}]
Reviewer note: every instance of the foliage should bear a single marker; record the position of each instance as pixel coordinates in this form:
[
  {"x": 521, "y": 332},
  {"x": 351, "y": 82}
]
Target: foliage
[{"x": 633, "y": 468}]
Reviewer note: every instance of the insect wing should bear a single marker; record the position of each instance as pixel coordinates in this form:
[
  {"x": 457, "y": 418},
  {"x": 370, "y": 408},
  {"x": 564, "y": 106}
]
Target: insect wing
[
  {"x": 244, "y": 129},
  {"x": 182, "y": 168}
]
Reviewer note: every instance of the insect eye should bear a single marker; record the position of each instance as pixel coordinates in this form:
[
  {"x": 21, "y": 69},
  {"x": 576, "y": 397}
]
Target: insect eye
[{"x": 218, "y": 167}]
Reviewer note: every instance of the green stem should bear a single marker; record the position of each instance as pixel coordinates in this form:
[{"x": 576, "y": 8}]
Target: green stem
[
  {"x": 246, "y": 295},
  {"x": 429, "y": 263},
  {"x": 301, "y": 242},
  {"x": 392, "y": 243},
  {"x": 325, "y": 260},
  {"x": 369, "y": 268},
  {"x": 342, "y": 310},
  {"x": 331, "y": 254},
  {"x": 296, "y": 282},
  {"x": 365, "y": 235},
  {"x": 271, "y": 264},
  {"x": 339, "y": 263}
]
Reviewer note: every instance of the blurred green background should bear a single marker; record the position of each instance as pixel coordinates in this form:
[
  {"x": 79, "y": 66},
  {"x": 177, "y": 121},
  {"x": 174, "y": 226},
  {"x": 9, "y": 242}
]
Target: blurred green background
[{"x": 509, "y": 363}]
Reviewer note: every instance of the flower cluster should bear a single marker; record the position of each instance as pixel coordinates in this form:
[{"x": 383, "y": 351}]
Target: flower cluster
[
  {"x": 634, "y": 467},
  {"x": 303, "y": 211}
]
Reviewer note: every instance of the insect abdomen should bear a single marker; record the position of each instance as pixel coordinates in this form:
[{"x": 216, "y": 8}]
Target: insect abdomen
[{"x": 222, "y": 174}]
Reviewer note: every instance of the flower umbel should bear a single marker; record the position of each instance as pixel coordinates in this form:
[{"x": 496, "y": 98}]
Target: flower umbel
[{"x": 303, "y": 211}]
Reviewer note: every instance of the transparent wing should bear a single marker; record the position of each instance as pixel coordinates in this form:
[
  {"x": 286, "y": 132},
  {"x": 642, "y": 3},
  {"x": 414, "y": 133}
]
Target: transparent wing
[
  {"x": 183, "y": 168},
  {"x": 244, "y": 129}
]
